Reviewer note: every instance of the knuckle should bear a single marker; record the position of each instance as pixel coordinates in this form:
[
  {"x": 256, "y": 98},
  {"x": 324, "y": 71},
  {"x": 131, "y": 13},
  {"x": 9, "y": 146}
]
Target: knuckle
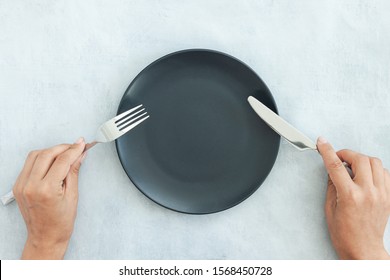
[
  {"x": 369, "y": 197},
  {"x": 44, "y": 195},
  {"x": 63, "y": 158},
  {"x": 375, "y": 161},
  {"x": 373, "y": 195},
  {"x": 355, "y": 198},
  {"x": 29, "y": 193},
  {"x": 64, "y": 146},
  {"x": 45, "y": 154},
  {"x": 75, "y": 169},
  {"x": 45, "y": 192},
  {"x": 32, "y": 154},
  {"x": 335, "y": 164},
  {"x": 362, "y": 158}
]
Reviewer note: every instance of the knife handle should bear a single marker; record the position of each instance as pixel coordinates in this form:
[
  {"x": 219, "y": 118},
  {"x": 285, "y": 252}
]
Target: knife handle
[
  {"x": 8, "y": 198},
  {"x": 348, "y": 167}
]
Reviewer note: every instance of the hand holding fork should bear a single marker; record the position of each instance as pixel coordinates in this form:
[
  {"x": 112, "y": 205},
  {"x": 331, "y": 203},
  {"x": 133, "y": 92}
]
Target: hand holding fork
[{"x": 107, "y": 132}]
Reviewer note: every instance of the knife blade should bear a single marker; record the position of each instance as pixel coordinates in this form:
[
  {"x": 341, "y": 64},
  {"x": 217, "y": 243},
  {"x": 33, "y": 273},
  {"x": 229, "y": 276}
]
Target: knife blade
[{"x": 280, "y": 126}]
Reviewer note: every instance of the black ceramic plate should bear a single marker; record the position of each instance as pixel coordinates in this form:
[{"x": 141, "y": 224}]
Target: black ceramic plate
[{"x": 203, "y": 149}]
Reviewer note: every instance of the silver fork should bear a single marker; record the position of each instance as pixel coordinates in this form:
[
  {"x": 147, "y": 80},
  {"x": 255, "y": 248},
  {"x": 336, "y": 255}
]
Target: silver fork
[
  {"x": 119, "y": 125},
  {"x": 107, "y": 132}
]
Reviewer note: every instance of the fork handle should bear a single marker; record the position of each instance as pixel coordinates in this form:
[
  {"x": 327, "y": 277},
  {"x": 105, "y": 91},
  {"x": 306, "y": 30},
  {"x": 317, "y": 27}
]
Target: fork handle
[
  {"x": 90, "y": 145},
  {"x": 8, "y": 198}
]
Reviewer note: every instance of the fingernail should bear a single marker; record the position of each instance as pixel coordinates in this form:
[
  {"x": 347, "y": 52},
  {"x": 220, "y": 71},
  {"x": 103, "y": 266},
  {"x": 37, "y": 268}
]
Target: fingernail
[
  {"x": 322, "y": 140},
  {"x": 81, "y": 139},
  {"x": 83, "y": 157}
]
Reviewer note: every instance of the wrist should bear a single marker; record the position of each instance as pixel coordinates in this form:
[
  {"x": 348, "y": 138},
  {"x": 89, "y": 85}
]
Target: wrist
[
  {"x": 44, "y": 250},
  {"x": 378, "y": 253}
]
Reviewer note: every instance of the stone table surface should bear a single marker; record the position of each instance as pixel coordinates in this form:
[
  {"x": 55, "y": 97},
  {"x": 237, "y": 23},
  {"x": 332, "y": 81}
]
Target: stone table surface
[{"x": 64, "y": 66}]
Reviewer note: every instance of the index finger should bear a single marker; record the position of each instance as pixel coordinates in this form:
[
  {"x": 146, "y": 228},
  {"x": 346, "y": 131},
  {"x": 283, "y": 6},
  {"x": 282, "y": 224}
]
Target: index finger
[
  {"x": 334, "y": 165},
  {"x": 60, "y": 168},
  {"x": 45, "y": 159}
]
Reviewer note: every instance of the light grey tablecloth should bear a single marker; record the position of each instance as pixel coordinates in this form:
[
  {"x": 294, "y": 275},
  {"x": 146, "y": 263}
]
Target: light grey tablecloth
[{"x": 64, "y": 66}]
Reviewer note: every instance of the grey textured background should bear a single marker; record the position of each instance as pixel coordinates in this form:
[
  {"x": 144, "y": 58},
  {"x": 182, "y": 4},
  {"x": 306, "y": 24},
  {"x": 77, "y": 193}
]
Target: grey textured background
[{"x": 64, "y": 66}]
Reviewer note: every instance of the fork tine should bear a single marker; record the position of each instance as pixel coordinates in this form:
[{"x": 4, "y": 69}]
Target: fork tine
[
  {"x": 127, "y": 112},
  {"x": 127, "y": 118},
  {"x": 133, "y": 125},
  {"x": 130, "y": 121}
]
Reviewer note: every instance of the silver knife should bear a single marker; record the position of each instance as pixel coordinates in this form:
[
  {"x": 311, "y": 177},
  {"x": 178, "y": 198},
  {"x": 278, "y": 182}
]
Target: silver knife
[{"x": 280, "y": 126}]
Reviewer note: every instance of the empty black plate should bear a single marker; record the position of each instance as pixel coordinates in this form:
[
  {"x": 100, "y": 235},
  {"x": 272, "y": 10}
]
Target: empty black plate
[{"x": 203, "y": 149}]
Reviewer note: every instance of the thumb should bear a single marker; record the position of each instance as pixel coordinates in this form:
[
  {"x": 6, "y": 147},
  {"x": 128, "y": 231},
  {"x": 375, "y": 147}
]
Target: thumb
[
  {"x": 335, "y": 167},
  {"x": 72, "y": 178}
]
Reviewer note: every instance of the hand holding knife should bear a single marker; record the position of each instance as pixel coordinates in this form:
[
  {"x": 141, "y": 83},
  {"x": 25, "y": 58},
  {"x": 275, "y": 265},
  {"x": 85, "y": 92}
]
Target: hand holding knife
[{"x": 284, "y": 129}]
